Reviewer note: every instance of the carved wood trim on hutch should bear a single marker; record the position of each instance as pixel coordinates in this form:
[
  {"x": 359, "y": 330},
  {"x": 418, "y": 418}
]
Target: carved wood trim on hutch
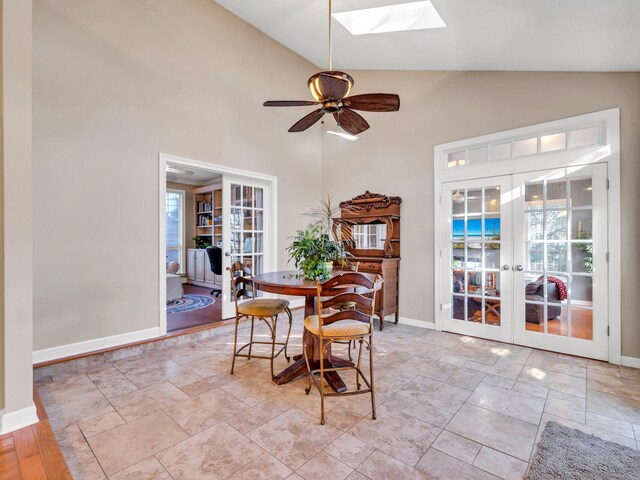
[{"x": 375, "y": 209}]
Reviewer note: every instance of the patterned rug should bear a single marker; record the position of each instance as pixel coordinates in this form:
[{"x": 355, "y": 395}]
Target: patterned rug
[{"x": 188, "y": 303}]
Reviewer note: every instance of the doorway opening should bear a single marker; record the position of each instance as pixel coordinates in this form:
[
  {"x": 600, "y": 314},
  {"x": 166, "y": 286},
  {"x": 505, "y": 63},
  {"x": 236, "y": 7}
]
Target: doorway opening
[
  {"x": 210, "y": 216},
  {"x": 529, "y": 254}
]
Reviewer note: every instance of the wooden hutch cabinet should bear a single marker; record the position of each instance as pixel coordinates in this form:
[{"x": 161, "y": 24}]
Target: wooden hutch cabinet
[{"x": 370, "y": 224}]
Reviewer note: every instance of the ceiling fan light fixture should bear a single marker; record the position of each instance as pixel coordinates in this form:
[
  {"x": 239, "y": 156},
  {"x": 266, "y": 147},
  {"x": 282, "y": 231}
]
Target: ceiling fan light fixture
[
  {"x": 330, "y": 85},
  {"x": 330, "y": 90},
  {"x": 457, "y": 197},
  {"x": 314, "y": 87}
]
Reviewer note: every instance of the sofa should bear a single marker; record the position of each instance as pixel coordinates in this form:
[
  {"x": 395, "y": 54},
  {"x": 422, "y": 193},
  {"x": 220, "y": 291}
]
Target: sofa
[
  {"x": 534, "y": 292},
  {"x": 174, "y": 282}
]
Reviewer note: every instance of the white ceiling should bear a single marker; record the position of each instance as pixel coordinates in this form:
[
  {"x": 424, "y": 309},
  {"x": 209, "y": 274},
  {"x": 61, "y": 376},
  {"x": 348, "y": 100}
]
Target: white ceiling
[
  {"x": 191, "y": 176},
  {"x": 546, "y": 35}
]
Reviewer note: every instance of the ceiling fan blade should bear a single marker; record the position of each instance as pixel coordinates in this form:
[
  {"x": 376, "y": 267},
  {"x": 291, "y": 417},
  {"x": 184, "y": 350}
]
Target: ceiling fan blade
[
  {"x": 307, "y": 121},
  {"x": 373, "y": 102},
  {"x": 334, "y": 87},
  {"x": 350, "y": 121},
  {"x": 289, "y": 103}
]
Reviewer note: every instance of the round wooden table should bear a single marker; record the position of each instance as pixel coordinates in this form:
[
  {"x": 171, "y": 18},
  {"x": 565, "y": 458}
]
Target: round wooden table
[{"x": 289, "y": 283}]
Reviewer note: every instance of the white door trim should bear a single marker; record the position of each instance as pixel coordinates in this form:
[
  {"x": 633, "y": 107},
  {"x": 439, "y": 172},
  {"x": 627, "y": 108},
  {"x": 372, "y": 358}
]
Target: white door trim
[
  {"x": 163, "y": 159},
  {"x": 609, "y": 153}
]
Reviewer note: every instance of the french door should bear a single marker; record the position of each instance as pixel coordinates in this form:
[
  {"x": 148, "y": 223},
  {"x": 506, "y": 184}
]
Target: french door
[
  {"x": 525, "y": 259},
  {"x": 246, "y": 206},
  {"x": 476, "y": 254}
]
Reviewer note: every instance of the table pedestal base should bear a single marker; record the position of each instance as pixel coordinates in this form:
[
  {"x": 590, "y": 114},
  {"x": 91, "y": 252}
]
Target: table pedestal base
[{"x": 299, "y": 367}]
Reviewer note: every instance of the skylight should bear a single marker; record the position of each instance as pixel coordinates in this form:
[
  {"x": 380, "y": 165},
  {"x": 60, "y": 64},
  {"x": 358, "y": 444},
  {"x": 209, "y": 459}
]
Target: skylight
[{"x": 391, "y": 18}]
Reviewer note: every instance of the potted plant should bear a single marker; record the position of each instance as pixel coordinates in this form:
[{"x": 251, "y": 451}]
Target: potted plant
[{"x": 315, "y": 248}]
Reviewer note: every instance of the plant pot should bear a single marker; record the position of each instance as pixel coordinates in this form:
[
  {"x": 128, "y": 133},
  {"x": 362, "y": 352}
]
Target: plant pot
[
  {"x": 321, "y": 271},
  {"x": 327, "y": 269}
]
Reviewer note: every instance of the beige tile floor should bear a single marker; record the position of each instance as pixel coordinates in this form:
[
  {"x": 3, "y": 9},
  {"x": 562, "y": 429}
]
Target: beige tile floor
[{"x": 449, "y": 407}]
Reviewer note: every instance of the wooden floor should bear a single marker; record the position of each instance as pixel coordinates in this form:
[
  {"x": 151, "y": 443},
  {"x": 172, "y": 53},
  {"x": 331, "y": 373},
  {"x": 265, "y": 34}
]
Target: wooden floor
[
  {"x": 195, "y": 318},
  {"x": 32, "y": 453},
  {"x": 581, "y": 323}
]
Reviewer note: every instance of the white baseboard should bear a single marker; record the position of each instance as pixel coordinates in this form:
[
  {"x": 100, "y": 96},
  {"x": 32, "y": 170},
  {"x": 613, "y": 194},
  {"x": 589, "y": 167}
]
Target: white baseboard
[
  {"x": 79, "y": 348},
  {"x": 416, "y": 323},
  {"x": 630, "y": 362},
  {"x": 12, "y": 421}
]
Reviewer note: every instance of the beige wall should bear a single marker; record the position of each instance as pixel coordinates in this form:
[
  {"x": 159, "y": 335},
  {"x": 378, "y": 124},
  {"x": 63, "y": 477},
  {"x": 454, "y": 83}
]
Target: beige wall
[
  {"x": 16, "y": 274},
  {"x": 115, "y": 83},
  {"x": 396, "y": 156}
]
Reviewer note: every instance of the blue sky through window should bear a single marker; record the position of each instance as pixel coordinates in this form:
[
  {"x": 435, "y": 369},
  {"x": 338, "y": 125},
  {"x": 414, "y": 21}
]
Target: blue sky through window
[{"x": 474, "y": 226}]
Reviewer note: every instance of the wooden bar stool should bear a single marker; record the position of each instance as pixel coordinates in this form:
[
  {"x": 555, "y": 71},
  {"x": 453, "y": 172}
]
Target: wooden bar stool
[
  {"x": 265, "y": 309},
  {"x": 344, "y": 325}
]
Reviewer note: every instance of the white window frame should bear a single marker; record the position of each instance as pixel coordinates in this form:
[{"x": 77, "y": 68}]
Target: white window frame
[
  {"x": 183, "y": 229},
  {"x": 609, "y": 153}
]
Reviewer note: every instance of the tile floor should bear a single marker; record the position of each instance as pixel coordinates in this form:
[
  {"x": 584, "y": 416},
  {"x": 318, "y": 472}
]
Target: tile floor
[{"x": 455, "y": 408}]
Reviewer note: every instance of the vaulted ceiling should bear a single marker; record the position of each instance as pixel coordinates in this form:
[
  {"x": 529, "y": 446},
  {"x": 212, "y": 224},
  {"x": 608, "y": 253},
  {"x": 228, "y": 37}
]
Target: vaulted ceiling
[{"x": 544, "y": 35}]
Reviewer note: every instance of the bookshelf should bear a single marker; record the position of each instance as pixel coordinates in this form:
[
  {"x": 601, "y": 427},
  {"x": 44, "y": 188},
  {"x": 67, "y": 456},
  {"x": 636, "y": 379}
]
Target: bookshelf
[
  {"x": 208, "y": 213},
  {"x": 208, "y": 228}
]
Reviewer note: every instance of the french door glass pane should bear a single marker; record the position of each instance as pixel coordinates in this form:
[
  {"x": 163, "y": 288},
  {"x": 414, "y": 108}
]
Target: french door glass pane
[
  {"x": 247, "y": 218},
  {"x": 474, "y": 309},
  {"x": 457, "y": 307},
  {"x": 556, "y": 223},
  {"x": 535, "y": 226},
  {"x": 475, "y": 254},
  {"x": 492, "y": 199},
  {"x": 533, "y": 195},
  {"x": 558, "y": 285},
  {"x": 474, "y": 201},
  {"x": 582, "y": 290},
  {"x": 556, "y": 194},
  {"x": 582, "y": 323},
  {"x": 492, "y": 255},
  {"x": 236, "y": 218},
  {"x": 535, "y": 256},
  {"x": 581, "y": 193},
  {"x": 236, "y": 195},
  {"x": 556, "y": 257},
  {"x": 581, "y": 224},
  {"x": 582, "y": 257},
  {"x": 457, "y": 207},
  {"x": 492, "y": 311}
]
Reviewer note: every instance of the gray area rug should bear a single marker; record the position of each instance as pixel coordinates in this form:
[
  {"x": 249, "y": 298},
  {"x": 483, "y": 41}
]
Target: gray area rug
[{"x": 567, "y": 453}]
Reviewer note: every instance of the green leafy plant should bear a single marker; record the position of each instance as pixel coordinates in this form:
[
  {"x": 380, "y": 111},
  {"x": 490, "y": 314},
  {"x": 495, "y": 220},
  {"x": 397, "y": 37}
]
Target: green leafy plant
[
  {"x": 201, "y": 243},
  {"x": 313, "y": 253}
]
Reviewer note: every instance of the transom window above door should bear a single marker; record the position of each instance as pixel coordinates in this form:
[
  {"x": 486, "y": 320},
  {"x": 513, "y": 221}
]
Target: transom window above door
[{"x": 533, "y": 145}]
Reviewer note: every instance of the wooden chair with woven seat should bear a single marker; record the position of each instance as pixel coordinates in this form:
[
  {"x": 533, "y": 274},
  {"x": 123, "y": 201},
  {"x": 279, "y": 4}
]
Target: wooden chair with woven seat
[
  {"x": 265, "y": 309},
  {"x": 343, "y": 325},
  {"x": 348, "y": 305}
]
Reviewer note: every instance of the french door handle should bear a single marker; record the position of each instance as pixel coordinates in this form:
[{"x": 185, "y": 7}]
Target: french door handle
[
  {"x": 505, "y": 267},
  {"x": 518, "y": 268},
  {"x": 227, "y": 254}
]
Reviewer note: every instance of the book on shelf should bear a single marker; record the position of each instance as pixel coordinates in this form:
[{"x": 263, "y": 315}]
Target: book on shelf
[{"x": 204, "y": 207}]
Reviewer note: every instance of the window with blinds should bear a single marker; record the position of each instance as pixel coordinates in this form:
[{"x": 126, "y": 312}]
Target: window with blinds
[{"x": 175, "y": 227}]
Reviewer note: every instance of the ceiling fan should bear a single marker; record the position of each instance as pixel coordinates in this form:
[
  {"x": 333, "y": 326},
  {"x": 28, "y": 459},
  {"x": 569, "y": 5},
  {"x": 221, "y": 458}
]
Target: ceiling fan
[{"x": 331, "y": 89}]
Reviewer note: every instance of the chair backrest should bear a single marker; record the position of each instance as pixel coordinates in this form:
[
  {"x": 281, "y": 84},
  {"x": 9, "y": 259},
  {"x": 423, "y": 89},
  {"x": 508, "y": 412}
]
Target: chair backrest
[
  {"x": 241, "y": 282},
  {"x": 354, "y": 283},
  {"x": 215, "y": 259}
]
